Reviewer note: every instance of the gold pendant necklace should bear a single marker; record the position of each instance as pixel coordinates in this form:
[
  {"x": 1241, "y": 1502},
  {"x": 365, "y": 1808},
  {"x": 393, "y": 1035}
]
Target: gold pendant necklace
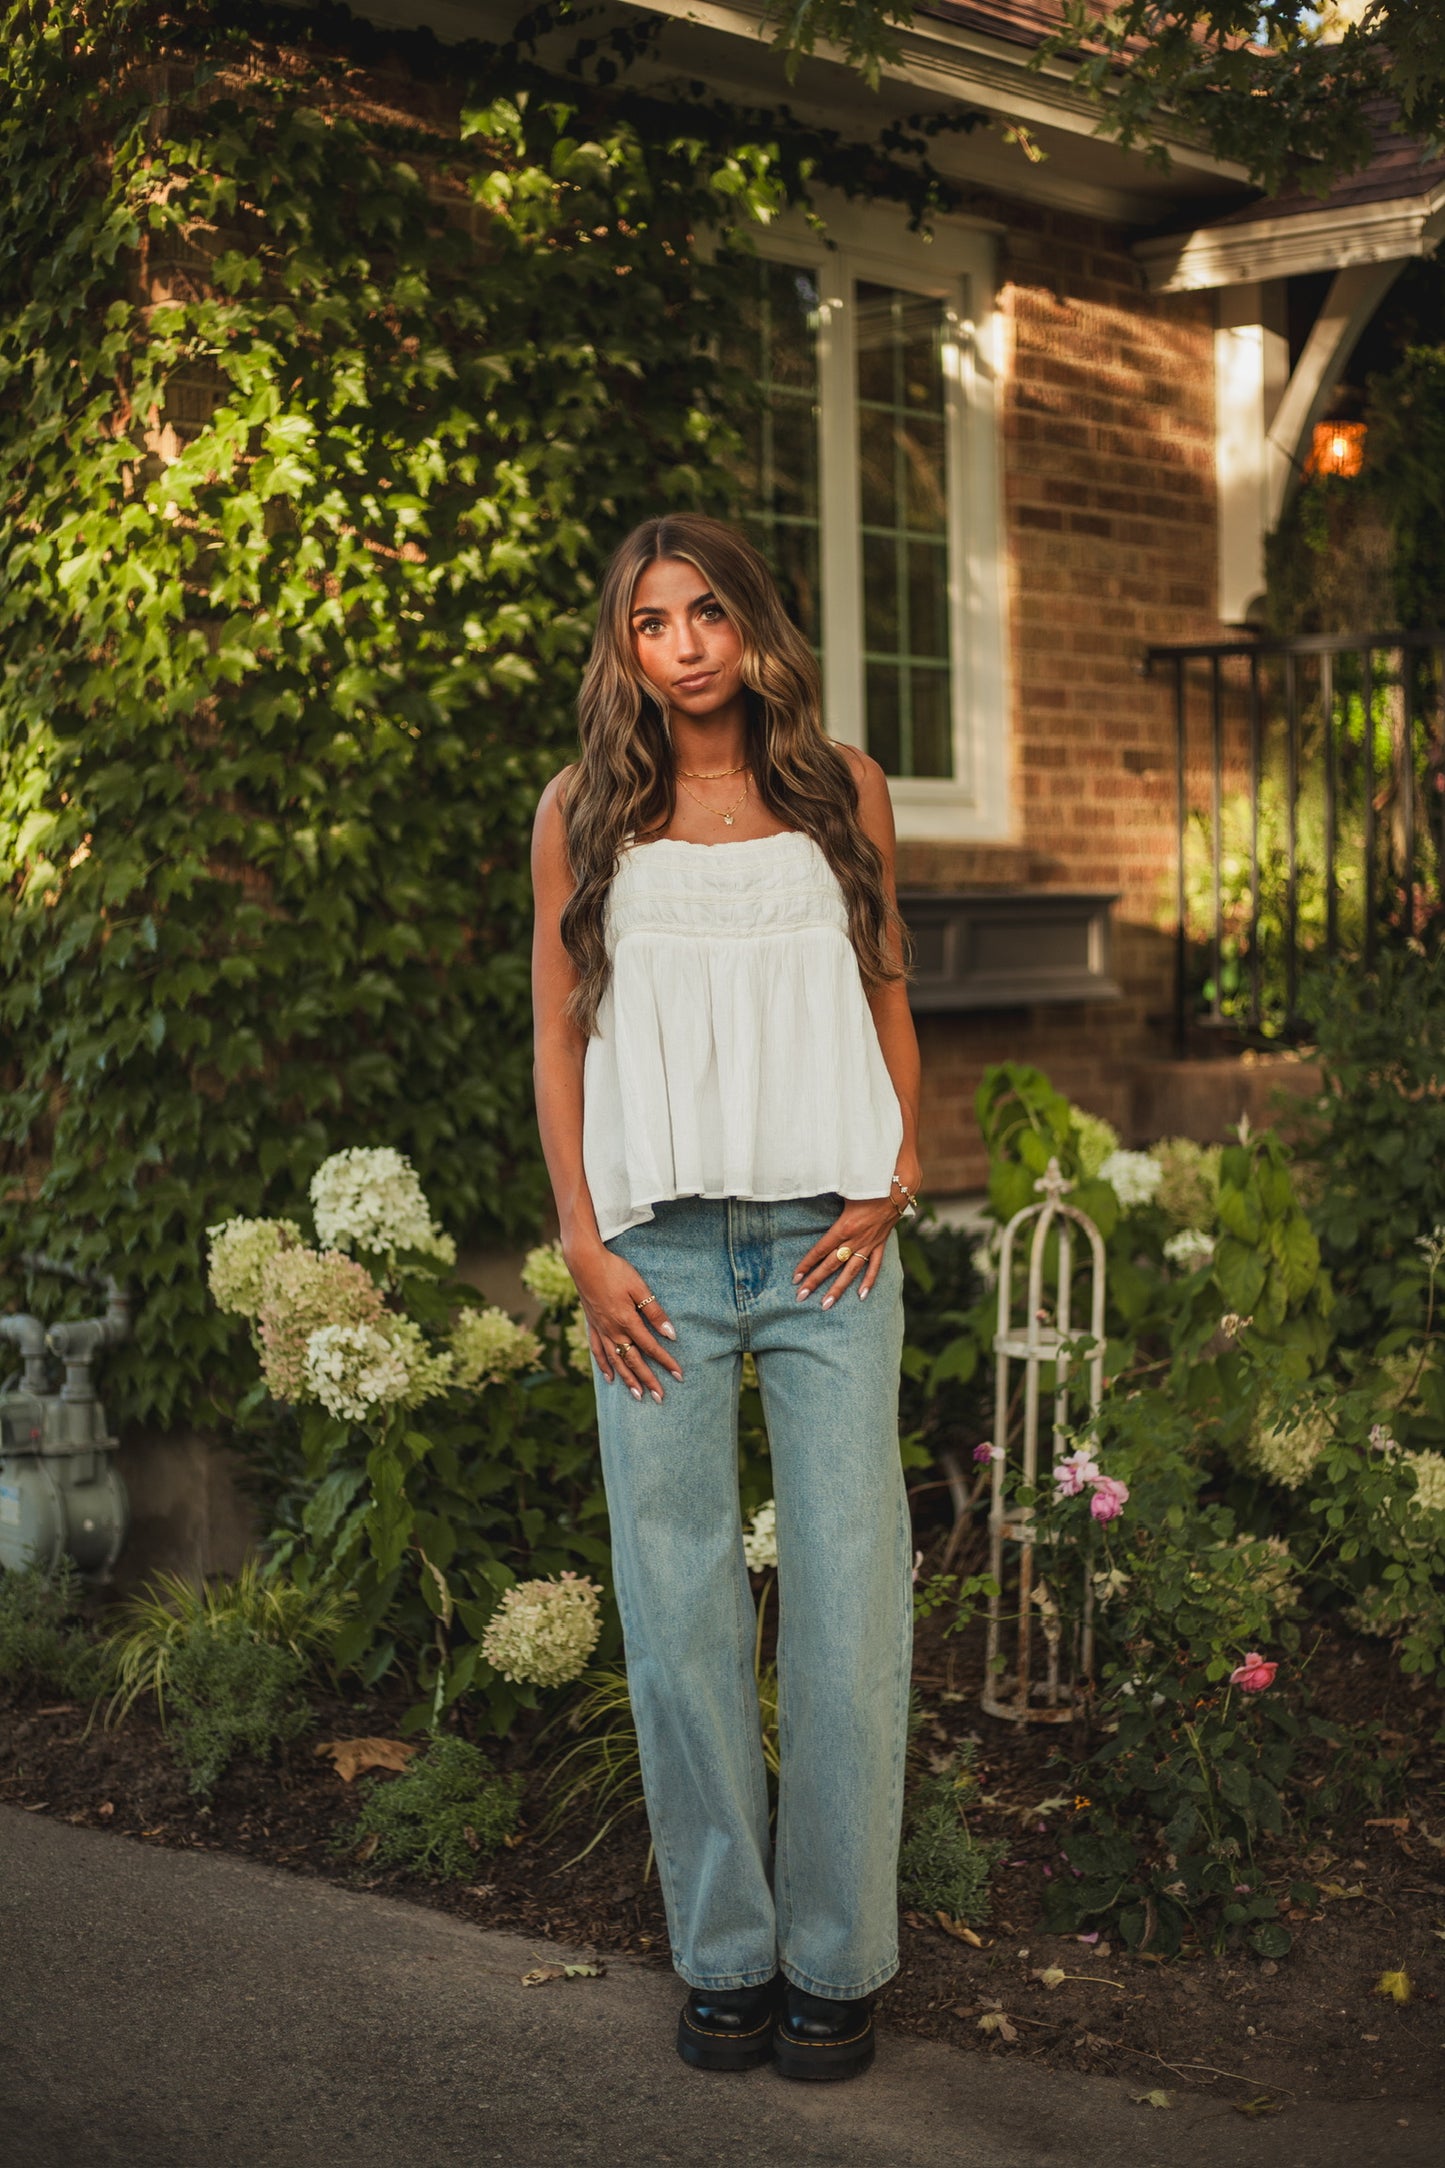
[{"x": 727, "y": 817}]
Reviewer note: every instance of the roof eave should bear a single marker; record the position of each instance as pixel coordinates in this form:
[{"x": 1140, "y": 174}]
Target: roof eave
[
  {"x": 1271, "y": 248},
  {"x": 955, "y": 61}
]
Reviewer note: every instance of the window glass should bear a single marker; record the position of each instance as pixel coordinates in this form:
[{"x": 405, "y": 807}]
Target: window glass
[
  {"x": 904, "y": 495},
  {"x": 772, "y": 339}
]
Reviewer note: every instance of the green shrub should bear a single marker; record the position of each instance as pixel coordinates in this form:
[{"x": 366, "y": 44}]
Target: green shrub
[
  {"x": 942, "y": 1866},
  {"x": 40, "y": 1645},
  {"x": 1376, "y": 1140},
  {"x": 944, "y": 1390},
  {"x": 442, "y": 1814},
  {"x": 232, "y": 1694},
  {"x": 151, "y": 1626}
]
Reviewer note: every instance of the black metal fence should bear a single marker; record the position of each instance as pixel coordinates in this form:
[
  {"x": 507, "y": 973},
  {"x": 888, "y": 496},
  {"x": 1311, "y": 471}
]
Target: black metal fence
[{"x": 1311, "y": 813}]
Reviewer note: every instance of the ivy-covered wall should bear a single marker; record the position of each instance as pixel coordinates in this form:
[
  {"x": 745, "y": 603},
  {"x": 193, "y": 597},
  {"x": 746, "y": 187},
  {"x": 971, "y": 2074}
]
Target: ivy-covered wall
[{"x": 331, "y": 368}]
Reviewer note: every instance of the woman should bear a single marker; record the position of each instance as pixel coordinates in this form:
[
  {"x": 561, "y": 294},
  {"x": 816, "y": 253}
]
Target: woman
[{"x": 727, "y": 1087}]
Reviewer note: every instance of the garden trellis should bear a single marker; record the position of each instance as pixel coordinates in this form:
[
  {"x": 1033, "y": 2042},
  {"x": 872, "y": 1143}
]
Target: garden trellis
[{"x": 1040, "y": 1341}]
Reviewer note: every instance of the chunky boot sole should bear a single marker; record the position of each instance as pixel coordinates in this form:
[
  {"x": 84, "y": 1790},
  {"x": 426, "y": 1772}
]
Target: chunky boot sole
[
  {"x": 823, "y": 2060},
  {"x": 724, "y": 2051}
]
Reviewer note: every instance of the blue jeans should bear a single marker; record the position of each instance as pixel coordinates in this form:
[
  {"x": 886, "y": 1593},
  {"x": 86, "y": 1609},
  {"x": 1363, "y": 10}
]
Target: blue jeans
[{"x": 825, "y": 1909}]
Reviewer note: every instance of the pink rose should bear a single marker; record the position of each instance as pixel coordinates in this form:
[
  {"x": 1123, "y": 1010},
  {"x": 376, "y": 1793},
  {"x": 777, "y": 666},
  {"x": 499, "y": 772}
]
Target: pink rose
[
  {"x": 1109, "y": 1498},
  {"x": 1254, "y": 1674},
  {"x": 987, "y": 1451},
  {"x": 1074, "y": 1472}
]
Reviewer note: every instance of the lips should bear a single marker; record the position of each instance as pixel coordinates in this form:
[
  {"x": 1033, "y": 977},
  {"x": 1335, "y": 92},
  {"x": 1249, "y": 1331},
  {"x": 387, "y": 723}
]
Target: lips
[{"x": 694, "y": 684}]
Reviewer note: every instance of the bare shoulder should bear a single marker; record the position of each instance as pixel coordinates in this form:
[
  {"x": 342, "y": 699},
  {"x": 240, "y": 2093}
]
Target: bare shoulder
[
  {"x": 549, "y": 833},
  {"x": 875, "y": 806},
  {"x": 554, "y": 795}
]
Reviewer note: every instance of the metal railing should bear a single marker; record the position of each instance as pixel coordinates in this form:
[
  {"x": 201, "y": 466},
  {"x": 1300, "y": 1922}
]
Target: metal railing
[{"x": 1310, "y": 782}]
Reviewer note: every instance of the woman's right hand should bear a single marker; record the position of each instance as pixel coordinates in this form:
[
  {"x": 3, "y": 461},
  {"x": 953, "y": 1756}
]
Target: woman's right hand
[{"x": 610, "y": 1291}]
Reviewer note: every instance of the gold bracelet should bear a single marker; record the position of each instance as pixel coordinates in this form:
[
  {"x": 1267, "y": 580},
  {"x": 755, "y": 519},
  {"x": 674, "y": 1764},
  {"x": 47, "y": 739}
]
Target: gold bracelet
[{"x": 909, "y": 1205}]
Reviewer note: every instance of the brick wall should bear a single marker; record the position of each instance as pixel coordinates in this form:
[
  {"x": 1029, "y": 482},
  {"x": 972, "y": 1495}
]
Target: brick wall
[{"x": 1108, "y": 457}]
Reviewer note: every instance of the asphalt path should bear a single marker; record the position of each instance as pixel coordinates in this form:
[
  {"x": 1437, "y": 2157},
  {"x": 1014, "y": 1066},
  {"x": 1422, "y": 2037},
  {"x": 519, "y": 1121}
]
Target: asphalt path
[{"x": 163, "y": 2009}]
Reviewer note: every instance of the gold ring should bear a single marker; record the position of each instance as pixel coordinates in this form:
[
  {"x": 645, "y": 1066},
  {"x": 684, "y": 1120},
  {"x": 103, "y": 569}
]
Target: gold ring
[
  {"x": 645, "y": 1301},
  {"x": 843, "y": 1253},
  {"x": 623, "y": 1347}
]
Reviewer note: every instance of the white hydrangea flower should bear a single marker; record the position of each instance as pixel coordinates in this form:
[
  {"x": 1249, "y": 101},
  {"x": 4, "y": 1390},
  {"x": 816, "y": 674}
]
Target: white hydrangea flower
[
  {"x": 1134, "y": 1178},
  {"x": 1096, "y": 1140},
  {"x": 371, "y": 1200},
  {"x": 488, "y": 1346},
  {"x": 542, "y": 1632},
  {"x": 302, "y": 1290},
  {"x": 1189, "y": 1249},
  {"x": 760, "y": 1539},
  {"x": 355, "y": 1369},
  {"x": 545, "y": 1274},
  {"x": 1429, "y": 1473},
  {"x": 1287, "y": 1452},
  {"x": 579, "y": 1346},
  {"x": 240, "y": 1251},
  {"x": 1189, "y": 1186}
]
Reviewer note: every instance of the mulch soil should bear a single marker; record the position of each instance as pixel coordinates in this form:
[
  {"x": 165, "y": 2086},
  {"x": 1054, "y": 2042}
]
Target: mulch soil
[{"x": 1261, "y": 2034}]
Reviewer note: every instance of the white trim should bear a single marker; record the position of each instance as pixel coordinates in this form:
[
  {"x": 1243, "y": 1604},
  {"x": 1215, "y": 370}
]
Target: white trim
[
  {"x": 956, "y": 268},
  {"x": 1352, "y": 300},
  {"x": 1269, "y": 248},
  {"x": 1264, "y": 425}
]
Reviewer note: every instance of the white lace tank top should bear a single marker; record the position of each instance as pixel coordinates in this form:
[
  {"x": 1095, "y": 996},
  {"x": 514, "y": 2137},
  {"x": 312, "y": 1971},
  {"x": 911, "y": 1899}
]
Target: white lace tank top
[{"x": 736, "y": 1054}]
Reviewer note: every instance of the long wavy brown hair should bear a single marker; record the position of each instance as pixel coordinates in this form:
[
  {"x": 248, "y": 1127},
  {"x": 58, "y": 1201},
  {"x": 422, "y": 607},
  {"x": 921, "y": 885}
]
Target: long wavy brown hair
[{"x": 625, "y": 779}]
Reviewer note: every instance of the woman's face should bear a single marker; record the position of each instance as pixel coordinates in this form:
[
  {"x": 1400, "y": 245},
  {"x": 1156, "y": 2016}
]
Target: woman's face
[{"x": 684, "y": 643}]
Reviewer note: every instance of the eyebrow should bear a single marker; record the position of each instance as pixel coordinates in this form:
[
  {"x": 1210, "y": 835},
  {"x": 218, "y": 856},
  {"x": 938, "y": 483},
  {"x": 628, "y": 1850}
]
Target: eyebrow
[{"x": 644, "y": 610}]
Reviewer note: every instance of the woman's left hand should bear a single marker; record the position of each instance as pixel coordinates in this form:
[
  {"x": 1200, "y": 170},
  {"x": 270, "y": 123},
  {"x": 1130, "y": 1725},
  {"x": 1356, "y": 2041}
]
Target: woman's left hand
[{"x": 862, "y": 1228}]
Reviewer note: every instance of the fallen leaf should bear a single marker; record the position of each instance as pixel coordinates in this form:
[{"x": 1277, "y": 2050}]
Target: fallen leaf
[
  {"x": 1400, "y": 1822},
  {"x": 994, "y": 2021},
  {"x": 352, "y": 1756},
  {"x": 543, "y": 1973},
  {"x": 1262, "y": 2104},
  {"x": 1050, "y": 1976},
  {"x": 1397, "y": 1985},
  {"x": 106, "y": 1809},
  {"x": 368, "y": 1845},
  {"x": 1156, "y": 2099},
  {"x": 1334, "y": 1890},
  {"x": 1054, "y": 1804},
  {"x": 58, "y": 1708},
  {"x": 959, "y": 1932}
]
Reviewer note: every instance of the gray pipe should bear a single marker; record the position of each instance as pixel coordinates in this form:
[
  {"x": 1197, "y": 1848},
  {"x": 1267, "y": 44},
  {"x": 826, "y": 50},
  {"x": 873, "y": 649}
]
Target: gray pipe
[
  {"x": 28, "y": 1334},
  {"x": 78, "y": 1341}
]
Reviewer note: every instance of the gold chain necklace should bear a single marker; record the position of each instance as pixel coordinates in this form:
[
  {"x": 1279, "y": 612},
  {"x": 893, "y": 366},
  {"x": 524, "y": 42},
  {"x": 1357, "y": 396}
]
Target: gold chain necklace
[
  {"x": 712, "y": 775},
  {"x": 727, "y": 817}
]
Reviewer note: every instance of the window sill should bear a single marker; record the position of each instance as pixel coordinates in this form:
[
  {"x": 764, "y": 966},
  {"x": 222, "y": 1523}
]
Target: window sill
[{"x": 1008, "y": 948}]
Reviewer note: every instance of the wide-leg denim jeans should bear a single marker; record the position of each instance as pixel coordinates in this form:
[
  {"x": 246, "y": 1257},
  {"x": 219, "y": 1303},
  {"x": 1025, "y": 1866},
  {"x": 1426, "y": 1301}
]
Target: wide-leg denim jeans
[{"x": 825, "y": 1908}]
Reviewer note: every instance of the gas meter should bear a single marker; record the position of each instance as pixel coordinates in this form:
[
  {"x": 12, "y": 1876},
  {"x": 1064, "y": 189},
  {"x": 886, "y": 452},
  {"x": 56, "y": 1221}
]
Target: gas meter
[{"x": 60, "y": 1493}]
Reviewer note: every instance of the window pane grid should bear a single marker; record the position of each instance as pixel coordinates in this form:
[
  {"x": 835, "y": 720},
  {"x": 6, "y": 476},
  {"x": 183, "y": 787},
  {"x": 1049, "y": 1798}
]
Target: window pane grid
[
  {"x": 907, "y": 651},
  {"x": 773, "y": 338}
]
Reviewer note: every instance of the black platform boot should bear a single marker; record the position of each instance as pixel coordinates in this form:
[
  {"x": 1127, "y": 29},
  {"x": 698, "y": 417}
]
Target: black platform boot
[
  {"x": 728, "y": 2028},
  {"x": 817, "y": 2037}
]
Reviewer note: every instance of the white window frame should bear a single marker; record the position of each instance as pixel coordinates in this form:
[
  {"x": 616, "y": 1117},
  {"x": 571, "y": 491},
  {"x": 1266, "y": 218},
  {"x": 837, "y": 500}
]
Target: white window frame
[{"x": 957, "y": 268}]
